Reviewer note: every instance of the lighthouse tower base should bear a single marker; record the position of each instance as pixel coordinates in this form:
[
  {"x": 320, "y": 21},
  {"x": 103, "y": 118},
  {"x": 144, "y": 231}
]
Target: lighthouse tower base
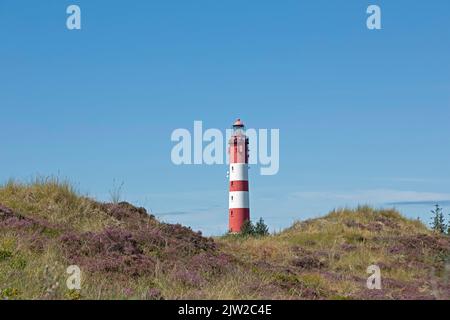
[{"x": 237, "y": 219}]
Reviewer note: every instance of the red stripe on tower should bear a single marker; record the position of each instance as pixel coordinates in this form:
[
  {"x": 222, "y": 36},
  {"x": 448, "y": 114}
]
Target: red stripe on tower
[
  {"x": 239, "y": 211},
  {"x": 238, "y": 185}
]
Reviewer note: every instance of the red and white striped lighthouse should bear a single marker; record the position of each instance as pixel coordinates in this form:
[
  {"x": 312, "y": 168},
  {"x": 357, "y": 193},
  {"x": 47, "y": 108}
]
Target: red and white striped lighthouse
[{"x": 239, "y": 209}]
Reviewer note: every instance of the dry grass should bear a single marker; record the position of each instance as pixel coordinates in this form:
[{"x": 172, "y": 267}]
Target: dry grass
[
  {"x": 56, "y": 201},
  {"x": 324, "y": 258}
]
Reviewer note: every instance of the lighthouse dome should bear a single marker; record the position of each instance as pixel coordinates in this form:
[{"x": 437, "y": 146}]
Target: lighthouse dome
[{"x": 238, "y": 123}]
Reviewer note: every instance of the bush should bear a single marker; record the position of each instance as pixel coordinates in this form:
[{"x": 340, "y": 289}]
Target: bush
[
  {"x": 258, "y": 230},
  {"x": 261, "y": 229},
  {"x": 448, "y": 226},
  {"x": 248, "y": 229},
  {"x": 438, "y": 223}
]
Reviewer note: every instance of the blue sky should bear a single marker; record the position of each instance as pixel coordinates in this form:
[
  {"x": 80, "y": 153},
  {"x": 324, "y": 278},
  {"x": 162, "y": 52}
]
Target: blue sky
[{"x": 363, "y": 115}]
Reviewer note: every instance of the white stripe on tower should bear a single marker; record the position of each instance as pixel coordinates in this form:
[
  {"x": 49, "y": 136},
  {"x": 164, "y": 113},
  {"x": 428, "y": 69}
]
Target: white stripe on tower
[
  {"x": 238, "y": 172},
  {"x": 238, "y": 199}
]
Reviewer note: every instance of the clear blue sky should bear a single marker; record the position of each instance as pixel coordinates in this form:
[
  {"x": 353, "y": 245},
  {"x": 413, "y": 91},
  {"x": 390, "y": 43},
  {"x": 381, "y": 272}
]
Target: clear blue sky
[{"x": 364, "y": 116}]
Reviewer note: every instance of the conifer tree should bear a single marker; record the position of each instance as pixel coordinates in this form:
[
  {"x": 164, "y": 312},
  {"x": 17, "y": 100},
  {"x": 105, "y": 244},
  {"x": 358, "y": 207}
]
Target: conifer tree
[
  {"x": 448, "y": 226},
  {"x": 248, "y": 229},
  {"x": 438, "y": 223},
  {"x": 261, "y": 228}
]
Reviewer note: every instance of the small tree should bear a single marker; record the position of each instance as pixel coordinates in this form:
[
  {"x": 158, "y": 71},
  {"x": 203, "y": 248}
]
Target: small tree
[
  {"x": 438, "y": 223},
  {"x": 448, "y": 225},
  {"x": 261, "y": 228},
  {"x": 248, "y": 229}
]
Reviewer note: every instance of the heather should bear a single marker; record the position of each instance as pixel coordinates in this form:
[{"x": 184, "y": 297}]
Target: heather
[{"x": 124, "y": 252}]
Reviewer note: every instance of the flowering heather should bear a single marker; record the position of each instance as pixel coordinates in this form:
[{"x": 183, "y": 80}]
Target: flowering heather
[
  {"x": 5, "y": 212},
  {"x": 154, "y": 294},
  {"x": 16, "y": 222},
  {"x": 124, "y": 211},
  {"x": 128, "y": 292},
  {"x": 112, "y": 250},
  {"x": 186, "y": 241},
  {"x": 211, "y": 263},
  {"x": 186, "y": 277}
]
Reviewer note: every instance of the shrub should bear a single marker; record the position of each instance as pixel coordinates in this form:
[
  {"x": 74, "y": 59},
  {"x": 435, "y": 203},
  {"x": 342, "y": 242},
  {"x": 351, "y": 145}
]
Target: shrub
[
  {"x": 438, "y": 223},
  {"x": 448, "y": 229},
  {"x": 261, "y": 228},
  {"x": 248, "y": 229},
  {"x": 258, "y": 230}
]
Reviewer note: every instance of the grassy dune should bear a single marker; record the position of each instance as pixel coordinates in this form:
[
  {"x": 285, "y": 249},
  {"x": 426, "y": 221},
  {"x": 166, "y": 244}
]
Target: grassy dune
[{"x": 125, "y": 253}]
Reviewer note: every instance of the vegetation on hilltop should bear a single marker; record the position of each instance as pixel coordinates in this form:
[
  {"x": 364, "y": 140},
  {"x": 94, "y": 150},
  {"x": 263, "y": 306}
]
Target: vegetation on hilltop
[{"x": 125, "y": 253}]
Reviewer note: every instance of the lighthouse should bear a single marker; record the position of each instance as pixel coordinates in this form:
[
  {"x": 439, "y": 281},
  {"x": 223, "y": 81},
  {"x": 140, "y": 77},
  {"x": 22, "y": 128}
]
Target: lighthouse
[{"x": 239, "y": 209}]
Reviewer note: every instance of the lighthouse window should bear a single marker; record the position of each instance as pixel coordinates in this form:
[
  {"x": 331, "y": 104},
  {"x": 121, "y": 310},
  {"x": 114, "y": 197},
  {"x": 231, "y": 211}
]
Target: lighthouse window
[
  {"x": 232, "y": 168},
  {"x": 231, "y": 198}
]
